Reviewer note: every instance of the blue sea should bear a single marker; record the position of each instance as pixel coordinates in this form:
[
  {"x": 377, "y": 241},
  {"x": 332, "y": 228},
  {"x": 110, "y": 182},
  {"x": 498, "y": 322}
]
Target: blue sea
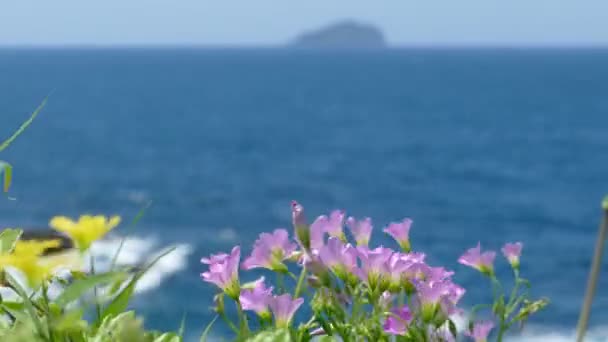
[{"x": 489, "y": 145}]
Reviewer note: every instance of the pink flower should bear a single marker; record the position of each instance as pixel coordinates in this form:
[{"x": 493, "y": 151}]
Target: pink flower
[
  {"x": 438, "y": 274},
  {"x": 223, "y": 271},
  {"x": 335, "y": 224},
  {"x": 481, "y": 330},
  {"x": 283, "y": 308},
  {"x": 340, "y": 258},
  {"x": 270, "y": 250},
  {"x": 396, "y": 323},
  {"x": 401, "y": 233},
  {"x": 317, "y": 232},
  {"x": 483, "y": 262},
  {"x": 374, "y": 265},
  {"x": 362, "y": 230},
  {"x": 512, "y": 251},
  {"x": 432, "y": 296},
  {"x": 299, "y": 224},
  {"x": 257, "y": 298}
]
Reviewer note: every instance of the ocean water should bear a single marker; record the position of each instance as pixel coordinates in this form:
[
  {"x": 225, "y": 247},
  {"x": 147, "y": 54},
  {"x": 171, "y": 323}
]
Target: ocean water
[{"x": 473, "y": 145}]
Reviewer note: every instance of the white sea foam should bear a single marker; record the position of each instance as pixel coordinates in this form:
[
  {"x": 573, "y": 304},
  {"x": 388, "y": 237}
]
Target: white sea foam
[{"x": 137, "y": 251}]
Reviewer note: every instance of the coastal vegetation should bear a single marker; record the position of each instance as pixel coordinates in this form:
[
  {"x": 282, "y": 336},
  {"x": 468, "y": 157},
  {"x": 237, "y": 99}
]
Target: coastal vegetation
[{"x": 323, "y": 281}]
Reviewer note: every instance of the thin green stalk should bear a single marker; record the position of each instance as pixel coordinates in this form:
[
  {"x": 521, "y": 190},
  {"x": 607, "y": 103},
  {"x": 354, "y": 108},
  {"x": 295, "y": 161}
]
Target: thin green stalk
[
  {"x": 97, "y": 306},
  {"x": 281, "y": 282},
  {"x": 512, "y": 298},
  {"x": 300, "y": 282},
  {"x": 45, "y": 298},
  {"x": 498, "y": 293},
  {"x": 229, "y": 322},
  {"x": 23, "y": 126},
  {"x": 138, "y": 217},
  {"x": 243, "y": 324}
]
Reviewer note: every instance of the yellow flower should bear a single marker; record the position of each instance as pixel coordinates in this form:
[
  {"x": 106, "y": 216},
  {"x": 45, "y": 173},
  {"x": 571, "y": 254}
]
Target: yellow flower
[
  {"x": 34, "y": 247},
  {"x": 86, "y": 230},
  {"x": 27, "y": 258},
  {"x": 34, "y": 271}
]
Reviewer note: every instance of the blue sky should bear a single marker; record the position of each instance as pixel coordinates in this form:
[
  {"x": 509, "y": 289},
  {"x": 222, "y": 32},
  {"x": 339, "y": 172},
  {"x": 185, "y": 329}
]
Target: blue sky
[{"x": 268, "y": 22}]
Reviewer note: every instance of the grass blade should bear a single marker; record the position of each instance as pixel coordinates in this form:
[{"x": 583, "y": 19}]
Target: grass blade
[
  {"x": 208, "y": 329},
  {"x": 137, "y": 218},
  {"x": 80, "y": 286},
  {"x": 23, "y": 126},
  {"x": 121, "y": 301}
]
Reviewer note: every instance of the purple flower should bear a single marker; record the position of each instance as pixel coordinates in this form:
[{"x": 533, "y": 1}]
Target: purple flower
[
  {"x": 512, "y": 251},
  {"x": 430, "y": 293},
  {"x": 362, "y": 230},
  {"x": 438, "y": 274},
  {"x": 283, "y": 308},
  {"x": 396, "y": 323},
  {"x": 483, "y": 262},
  {"x": 455, "y": 292},
  {"x": 401, "y": 233},
  {"x": 374, "y": 264},
  {"x": 340, "y": 258},
  {"x": 317, "y": 232},
  {"x": 223, "y": 271},
  {"x": 270, "y": 250},
  {"x": 403, "y": 268},
  {"x": 335, "y": 224},
  {"x": 481, "y": 330},
  {"x": 430, "y": 296},
  {"x": 451, "y": 296},
  {"x": 299, "y": 224},
  {"x": 257, "y": 298}
]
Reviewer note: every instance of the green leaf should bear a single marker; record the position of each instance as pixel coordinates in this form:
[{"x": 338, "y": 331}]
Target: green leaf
[
  {"x": 31, "y": 311},
  {"x": 121, "y": 301},
  {"x": 208, "y": 329},
  {"x": 125, "y": 327},
  {"x": 168, "y": 337},
  {"x": 326, "y": 338},
  {"x": 71, "y": 321},
  {"x": 326, "y": 327},
  {"x": 138, "y": 217},
  {"x": 499, "y": 307},
  {"x": 182, "y": 326},
  {"x": 14, "y": 305},
  {"x": 17, "y": 312},
  {"x": 80, "y": 286},
  {"x": 23, "y": 126},
  {"x": 8, "y": 238},
  {"x": 452, "y": 327},
  {"x": 280, "y": 335},
  {"x": 7, "y": 170}
]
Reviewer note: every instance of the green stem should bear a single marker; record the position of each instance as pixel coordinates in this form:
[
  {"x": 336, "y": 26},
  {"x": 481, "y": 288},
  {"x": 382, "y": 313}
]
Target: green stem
[
  {"x": 97, "y": 306},
  {"x": 300, "y": 282},
  {"x": 281, "y": 282},
  {"x": 356, "y": 305},
  {"x": 498, "y": 292},
  {"x": 243, "y": 324},
  {"x": 45, "y": 298},
  {"x": 230, "y": 324},
  {"x": 512, "y": 297}
]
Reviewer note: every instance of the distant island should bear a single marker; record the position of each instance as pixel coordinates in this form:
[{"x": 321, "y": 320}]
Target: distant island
[{"x": 347, "y": 34}]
